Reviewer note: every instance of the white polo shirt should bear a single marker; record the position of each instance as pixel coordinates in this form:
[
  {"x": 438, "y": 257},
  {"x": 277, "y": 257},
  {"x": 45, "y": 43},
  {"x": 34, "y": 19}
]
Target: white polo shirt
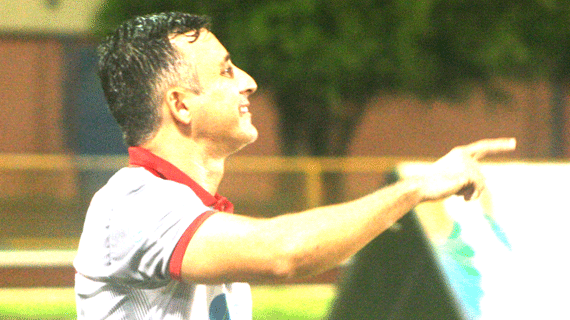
[{"x": 136, "y": 232}]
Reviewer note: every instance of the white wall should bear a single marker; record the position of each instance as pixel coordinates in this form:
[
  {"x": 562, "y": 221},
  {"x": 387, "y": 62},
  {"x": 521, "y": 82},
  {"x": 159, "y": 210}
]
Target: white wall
[{"x": 38, "y": 16}]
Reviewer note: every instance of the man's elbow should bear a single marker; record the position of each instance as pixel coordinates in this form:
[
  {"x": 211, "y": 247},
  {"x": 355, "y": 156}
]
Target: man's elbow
[{"x": 296, "y": 261}]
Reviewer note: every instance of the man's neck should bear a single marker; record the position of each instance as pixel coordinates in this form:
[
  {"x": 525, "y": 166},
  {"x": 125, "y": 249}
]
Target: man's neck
[{"x": 197, "y": 163}]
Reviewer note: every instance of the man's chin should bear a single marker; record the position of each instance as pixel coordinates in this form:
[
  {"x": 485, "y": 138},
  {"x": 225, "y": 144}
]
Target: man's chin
[
  {"x": 251, "y": 137},
  {"x": 246, "y": 139}
]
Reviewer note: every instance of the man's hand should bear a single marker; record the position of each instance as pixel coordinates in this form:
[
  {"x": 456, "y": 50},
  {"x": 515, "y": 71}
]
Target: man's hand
[{"x": 458, "y": 172}]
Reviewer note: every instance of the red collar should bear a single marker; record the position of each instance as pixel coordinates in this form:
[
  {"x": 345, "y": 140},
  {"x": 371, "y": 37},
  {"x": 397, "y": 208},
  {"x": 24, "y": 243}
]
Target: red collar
[{"x": 163, "y": 169}]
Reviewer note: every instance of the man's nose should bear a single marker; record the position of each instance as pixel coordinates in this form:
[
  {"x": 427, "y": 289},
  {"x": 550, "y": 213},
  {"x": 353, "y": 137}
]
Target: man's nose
[{"x": 247, "y": 83}]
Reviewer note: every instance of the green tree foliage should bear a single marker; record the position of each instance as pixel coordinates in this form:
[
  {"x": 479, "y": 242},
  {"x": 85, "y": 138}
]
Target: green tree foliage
[
  {"x": 486, "y": 39},
  {"x": 324, "y": 60}
]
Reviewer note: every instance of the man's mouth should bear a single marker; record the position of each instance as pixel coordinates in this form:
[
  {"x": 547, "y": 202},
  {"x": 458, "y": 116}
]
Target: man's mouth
[{"x": 243, "y": 109}]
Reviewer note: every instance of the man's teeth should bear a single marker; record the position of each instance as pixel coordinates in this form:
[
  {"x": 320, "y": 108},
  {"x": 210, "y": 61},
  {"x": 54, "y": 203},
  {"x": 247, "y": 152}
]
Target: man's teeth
[{"x": 243, "y": 109}]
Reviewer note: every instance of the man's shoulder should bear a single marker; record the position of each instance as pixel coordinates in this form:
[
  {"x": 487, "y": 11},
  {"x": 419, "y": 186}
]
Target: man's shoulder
[{"x": 136, "y": 187}]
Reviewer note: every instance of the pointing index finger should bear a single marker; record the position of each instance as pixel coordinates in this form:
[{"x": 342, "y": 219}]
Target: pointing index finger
[{"x": 483, "y": 148}]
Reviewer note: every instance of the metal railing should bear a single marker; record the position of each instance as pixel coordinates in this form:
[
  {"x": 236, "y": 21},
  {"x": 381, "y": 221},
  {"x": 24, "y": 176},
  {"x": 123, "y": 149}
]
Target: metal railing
[{"x": 312, "y": 168}]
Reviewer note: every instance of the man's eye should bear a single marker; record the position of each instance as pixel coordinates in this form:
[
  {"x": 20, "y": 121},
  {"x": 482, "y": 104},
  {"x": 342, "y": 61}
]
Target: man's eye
[{"x": 229, "y": 71}]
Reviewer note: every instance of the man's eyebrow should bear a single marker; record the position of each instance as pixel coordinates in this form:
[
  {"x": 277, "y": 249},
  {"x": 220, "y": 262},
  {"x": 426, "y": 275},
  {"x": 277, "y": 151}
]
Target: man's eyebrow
[{"x": 224, "y": 62}]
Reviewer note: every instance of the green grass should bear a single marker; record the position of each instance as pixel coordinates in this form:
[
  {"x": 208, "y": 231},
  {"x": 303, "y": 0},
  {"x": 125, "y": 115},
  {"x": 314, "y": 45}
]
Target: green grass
[
  {"x": 41, "y": 303},
  {"x": 291, "y": 302}
]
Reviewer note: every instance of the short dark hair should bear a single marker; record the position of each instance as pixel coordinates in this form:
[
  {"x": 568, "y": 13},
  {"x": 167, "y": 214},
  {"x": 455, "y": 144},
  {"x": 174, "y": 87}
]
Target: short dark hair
[{"x": 136, "y": 65}]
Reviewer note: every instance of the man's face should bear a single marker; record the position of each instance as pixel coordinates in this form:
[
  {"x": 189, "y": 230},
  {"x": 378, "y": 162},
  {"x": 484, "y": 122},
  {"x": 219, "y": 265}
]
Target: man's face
[{"x": 221, "y": 109}]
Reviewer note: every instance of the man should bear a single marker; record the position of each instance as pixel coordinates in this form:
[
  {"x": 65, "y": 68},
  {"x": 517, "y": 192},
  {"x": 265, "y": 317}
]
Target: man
[{"x": 158, "y": 241}]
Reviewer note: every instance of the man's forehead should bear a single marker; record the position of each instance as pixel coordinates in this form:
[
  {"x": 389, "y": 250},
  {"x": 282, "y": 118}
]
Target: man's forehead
[{"x": 193, "y": 42}]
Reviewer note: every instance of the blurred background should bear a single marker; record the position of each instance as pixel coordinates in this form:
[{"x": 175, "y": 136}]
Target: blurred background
[{"x": 346, "y": 91}]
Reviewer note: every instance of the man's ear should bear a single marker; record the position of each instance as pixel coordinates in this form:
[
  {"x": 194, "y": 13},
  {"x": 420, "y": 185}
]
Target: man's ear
[{"x": 178, "y": 102}]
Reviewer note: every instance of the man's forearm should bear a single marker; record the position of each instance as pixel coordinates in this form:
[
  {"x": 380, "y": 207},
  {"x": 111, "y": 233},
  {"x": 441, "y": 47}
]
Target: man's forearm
[{"x": 319, "y": 239}]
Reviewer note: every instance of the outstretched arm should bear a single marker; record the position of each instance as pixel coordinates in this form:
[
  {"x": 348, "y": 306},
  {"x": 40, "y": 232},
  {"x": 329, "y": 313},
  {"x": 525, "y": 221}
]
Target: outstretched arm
[{"x": 235, "y": 248}]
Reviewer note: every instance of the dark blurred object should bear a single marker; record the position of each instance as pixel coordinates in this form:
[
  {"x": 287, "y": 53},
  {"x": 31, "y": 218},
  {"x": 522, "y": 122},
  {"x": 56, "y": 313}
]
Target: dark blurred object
[{"x": 396, "y": 277}]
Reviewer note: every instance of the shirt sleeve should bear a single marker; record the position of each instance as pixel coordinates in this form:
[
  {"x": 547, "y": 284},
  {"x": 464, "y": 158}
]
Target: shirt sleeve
[{"x": 175, "y": 265}]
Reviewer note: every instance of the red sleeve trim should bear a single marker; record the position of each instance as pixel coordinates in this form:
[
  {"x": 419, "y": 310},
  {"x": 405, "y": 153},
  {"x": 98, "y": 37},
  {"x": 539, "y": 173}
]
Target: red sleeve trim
[{"x": 175, "y": 265}]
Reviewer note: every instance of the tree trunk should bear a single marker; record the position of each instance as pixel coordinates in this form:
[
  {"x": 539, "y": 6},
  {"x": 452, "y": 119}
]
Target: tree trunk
[
  {"x": 340, "y": 135},
  {"x": 309, "y": 129},
  {"x": 558, "y": 119}
]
